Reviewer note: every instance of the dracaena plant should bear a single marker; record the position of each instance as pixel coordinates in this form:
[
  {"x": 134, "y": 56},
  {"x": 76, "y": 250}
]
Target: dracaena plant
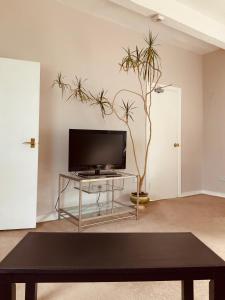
[{"x": 145, "y": 64}]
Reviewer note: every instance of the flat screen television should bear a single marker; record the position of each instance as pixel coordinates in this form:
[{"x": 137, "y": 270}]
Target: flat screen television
[{"x": 96, "y": 150}]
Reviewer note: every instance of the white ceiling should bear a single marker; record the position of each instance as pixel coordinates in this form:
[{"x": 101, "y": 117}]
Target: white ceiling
[
  {"x": 214, "y": 9},
  {"x": 138, "y": 18}
]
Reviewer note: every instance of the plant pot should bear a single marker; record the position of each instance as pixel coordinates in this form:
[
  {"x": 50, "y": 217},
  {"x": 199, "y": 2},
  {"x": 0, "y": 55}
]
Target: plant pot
[{"x": 143, "y": 198}]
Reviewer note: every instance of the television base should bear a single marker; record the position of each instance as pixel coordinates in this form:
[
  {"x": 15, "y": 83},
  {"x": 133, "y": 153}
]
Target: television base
[{"x": 98, "y": 174}]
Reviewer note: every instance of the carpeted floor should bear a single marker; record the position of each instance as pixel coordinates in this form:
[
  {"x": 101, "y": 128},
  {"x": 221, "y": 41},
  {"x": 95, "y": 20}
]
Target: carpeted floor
[{"x": 202, "y": 215}]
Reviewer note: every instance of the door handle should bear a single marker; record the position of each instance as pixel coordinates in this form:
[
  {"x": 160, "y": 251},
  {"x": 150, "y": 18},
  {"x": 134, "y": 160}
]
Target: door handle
[
  {"x": 32, "y": 143},
  {"x": 176, "y": 145}
]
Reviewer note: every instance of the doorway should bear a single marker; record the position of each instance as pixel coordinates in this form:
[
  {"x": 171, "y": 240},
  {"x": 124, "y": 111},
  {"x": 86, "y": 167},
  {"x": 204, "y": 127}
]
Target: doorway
[{"x": 163, "y": 178}]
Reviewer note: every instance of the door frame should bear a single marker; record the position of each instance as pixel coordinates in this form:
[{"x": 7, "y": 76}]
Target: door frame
[{"x": 179, "y": 125}]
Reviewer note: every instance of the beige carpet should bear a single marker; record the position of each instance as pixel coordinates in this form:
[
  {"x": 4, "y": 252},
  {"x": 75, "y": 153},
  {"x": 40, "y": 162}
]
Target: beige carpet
[{"x": 202, "y": 215}]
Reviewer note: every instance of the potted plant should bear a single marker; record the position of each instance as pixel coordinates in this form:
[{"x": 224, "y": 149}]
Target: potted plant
[{"x": 145, "y": 64}]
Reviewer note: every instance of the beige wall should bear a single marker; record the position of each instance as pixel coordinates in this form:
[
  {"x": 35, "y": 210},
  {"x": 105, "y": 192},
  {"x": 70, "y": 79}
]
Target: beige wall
[
  {"x": 184, "y": 69},
  {"x": 214, "y": 122},
  {"x": 74, "y": 43}
]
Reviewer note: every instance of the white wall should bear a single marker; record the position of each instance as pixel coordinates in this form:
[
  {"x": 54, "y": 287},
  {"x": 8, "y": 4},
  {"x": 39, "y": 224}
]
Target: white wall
[{"x": 75, "y": 43}]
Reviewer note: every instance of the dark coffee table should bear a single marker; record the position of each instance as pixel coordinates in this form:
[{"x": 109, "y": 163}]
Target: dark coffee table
[{"x": 111, "y": 257}]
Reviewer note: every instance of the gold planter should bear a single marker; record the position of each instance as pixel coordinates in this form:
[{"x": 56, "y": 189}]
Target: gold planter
[{"x": 143, "y": 198}]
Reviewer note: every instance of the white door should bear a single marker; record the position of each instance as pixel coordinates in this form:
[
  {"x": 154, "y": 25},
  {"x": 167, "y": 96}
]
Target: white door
[
  {"x": 164, "y": 167},
  {"x": 19, "y": 122}
]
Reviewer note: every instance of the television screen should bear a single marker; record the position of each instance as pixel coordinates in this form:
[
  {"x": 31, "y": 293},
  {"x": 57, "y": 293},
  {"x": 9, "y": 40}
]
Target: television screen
[{"x": 96, "y": 149}]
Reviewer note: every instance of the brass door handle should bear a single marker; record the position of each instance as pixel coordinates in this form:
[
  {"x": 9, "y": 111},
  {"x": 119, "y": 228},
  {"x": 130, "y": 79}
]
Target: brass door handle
[
  {"x": 176, "y": 145},
  {"x": 32, "y": 143}
]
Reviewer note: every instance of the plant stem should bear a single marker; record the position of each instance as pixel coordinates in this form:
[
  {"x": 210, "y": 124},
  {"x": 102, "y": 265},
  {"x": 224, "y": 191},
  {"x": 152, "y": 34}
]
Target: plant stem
[
  {"x": 124, "y": 90},
  {"x": 134, "y": 150},
  {"x": 131, "y": 136}
]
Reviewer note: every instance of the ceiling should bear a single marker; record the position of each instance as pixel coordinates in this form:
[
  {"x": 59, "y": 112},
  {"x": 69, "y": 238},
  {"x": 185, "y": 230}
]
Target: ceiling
[
  {"x": 136, "y": 15},
  {"x": 214, "y": 9}
]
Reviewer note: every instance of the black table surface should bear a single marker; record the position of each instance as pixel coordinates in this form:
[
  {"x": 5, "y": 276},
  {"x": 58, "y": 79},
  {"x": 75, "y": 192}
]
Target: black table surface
[{"x": 121, "y": 254}]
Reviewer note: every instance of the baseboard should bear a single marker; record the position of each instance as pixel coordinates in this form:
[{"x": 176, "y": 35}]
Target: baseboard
[
  {"x": 48, "y": 217},
  {"x": 212, "y": 193},
  {"x": 191, "y": 193},
  {"x": 205, "y": 192}
]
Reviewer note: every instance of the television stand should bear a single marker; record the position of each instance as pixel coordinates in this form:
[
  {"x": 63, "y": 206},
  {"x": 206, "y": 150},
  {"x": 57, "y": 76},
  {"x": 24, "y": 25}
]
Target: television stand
[{"x": 112, "y": 206}]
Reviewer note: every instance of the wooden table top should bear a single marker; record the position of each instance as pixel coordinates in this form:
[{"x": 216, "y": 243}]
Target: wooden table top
[{"x": 112, "y": 253}]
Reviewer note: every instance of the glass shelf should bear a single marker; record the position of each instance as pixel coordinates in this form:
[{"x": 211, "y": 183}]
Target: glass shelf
[
  {"x": 93, "y": 188},
  {"x": 103, "y": 209}
]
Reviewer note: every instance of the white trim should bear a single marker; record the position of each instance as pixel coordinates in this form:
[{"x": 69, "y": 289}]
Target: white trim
[
  {"x": 179, "y": 92},
  {"x": 179, "y": 137},
  {"x": 204, "y": 192},
  {"x": 47, "y": 217},
  {"x": 212, "y": 193},
  {"x": 191, "y": 193}
]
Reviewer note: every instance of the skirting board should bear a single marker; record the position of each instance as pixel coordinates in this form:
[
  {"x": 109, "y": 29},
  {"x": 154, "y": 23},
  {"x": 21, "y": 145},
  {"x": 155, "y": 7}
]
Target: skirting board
[
  {"x": 205, "y": 192},
  {"x": 48, "y": 217},
  {"x": 54, "y": 216},
  {"x": 211, "y": 193},
  {"x": 191, "y": 193}
]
